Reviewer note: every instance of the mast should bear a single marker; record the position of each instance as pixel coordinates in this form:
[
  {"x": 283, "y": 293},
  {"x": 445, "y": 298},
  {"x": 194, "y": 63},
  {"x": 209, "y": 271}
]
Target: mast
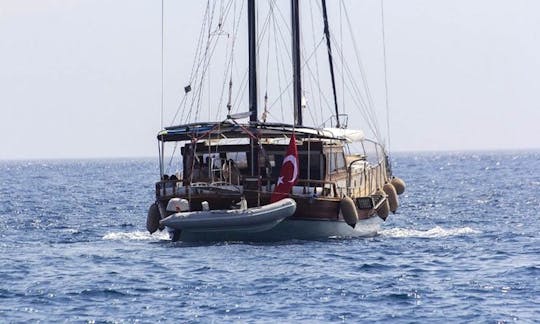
[
  {"x": 297, "y": 83},
  {"x": 329, "y": 47},
  {"x": 252, "y": 43}
]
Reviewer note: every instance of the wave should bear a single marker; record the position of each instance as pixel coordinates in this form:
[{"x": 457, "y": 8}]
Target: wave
[
  {"x": 431, "y": 233},
  {"x": 394, "y": 232},
  {"x": 136, "y": 236}
]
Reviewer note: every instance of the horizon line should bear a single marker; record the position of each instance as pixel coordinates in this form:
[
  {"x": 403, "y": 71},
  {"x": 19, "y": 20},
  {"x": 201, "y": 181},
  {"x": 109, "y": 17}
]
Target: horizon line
[{"x": 416, "y": 151}]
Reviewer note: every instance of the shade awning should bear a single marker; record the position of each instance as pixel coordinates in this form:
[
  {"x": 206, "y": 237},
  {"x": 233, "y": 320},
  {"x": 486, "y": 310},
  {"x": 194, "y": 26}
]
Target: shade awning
[{"x": 232, "y": 130}]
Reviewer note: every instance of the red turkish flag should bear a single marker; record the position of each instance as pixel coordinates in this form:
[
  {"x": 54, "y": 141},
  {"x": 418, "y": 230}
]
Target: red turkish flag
[{"x": 289, "y": 173}]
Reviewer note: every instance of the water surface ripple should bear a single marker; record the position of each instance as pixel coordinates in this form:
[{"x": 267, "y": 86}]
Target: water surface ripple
[{"x": 464, "y": 247}]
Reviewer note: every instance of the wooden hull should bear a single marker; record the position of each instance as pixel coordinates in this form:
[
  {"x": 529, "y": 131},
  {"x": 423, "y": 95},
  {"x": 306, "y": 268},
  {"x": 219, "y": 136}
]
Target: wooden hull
[
  {"x": 307, "y": 208},
  {"x": 314, "y": 218}
]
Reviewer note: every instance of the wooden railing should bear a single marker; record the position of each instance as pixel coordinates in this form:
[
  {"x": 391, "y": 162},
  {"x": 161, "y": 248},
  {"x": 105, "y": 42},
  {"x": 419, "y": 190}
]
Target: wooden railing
[
  {"x": 328, "y": 188},
  {"x": 167, "y": 188},
  {"x": 369, "y": 178}
]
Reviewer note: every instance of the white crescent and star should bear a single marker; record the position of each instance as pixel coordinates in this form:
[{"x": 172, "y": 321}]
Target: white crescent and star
[{"x": 291, "y": 159}]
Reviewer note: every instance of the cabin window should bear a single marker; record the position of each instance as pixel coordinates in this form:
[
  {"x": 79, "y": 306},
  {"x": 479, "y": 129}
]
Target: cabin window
[
  {"x": 205, "y": 160},
  {"x": 336, "y": 161},
  {"x": 276, "y": 160},
  {"x": 314, "y": 165},
  {"x": 239, "y": 158},
  {"x": 340, "y": 161},
  {"x": 271, "y": 160},
  {"x": 332, "y": 162}
]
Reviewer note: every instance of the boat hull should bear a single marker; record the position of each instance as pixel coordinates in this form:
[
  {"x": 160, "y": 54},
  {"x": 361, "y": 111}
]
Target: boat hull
[{"x": 288, "y": 229}]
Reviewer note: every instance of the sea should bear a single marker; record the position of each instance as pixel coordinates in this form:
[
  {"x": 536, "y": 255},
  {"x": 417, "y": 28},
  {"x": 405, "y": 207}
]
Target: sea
[{"x": 463, "y": 247}]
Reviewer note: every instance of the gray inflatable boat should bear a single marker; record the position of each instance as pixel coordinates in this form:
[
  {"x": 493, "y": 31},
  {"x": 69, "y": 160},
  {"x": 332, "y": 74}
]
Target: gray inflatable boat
[{"x": 255, "y": 219}]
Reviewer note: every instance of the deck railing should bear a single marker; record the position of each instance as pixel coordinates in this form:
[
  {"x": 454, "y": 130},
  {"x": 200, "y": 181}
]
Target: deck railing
[{"x": 367, "y": 179}]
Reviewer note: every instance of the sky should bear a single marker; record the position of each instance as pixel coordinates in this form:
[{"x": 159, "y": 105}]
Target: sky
[{"x": 82, "y": 78}]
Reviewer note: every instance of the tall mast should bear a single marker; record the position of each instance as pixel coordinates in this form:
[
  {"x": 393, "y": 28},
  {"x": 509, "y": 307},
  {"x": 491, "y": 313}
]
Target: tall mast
[
  {"x": 252, "y": 43},
  {"x": 297, "y": 83},
  {"x": 329, "y": 47}
]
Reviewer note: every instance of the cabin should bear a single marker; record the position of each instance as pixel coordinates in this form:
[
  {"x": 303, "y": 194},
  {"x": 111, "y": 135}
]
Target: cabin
[{"x": 222, "y": 162}]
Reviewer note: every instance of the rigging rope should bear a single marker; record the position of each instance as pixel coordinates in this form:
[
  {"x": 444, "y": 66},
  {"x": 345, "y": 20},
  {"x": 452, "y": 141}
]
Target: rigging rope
[
  {"x": 162, "y": 74},
  {"x": 275, "y": 20},
  {"x": 385, "y": 76},
  {"x": 210, "y": 48},
  {"x": 341, "y": 5},
  {"x": 229, "y": 56},
  {"x": 316, "y": 65},
  {"x": 278, "y": 65},
  {"x": 368, "y": 109},
  {"x": 201, "y": 62},
  {"x": 195, "y": 66}
]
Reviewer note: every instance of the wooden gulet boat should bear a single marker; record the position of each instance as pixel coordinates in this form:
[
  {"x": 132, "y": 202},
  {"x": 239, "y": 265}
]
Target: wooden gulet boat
[{"x": 242, "y": 180}]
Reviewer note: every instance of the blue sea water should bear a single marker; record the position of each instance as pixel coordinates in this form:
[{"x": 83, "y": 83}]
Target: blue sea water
[{"x": 463, "y": 247}]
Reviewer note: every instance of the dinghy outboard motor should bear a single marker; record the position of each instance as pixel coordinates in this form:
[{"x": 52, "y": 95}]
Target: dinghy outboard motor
[
  {"x": 205, "y": 206},
  {"x": 176, "y": 205}
]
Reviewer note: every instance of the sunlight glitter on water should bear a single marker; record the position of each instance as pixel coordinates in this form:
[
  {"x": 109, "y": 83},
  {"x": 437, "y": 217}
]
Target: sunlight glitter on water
[
  {"x": 431, "y": 233},
  {"x": 136, "y": 236},
  {"x": 446, "y": 256}
]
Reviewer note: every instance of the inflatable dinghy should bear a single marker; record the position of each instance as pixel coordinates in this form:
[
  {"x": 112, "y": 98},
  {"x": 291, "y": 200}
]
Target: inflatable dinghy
[{"x": 255, "y": 219}]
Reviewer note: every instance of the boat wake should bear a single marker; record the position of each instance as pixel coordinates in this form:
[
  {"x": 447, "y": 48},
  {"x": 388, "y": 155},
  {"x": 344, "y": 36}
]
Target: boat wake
[
  {"x": 431, "y": 233},
  {"x": 136, "y": 236}
]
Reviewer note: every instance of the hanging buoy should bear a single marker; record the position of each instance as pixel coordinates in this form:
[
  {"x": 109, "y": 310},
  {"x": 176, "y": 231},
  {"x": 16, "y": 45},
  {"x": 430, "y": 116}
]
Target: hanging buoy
[
  {"x": 152, "y": 220},
  {"x": 349, "y": 212},
  {"x": 393, "y": 200},
  {"x": 384, "y": 208},
  {"x": 399, "y": 184}
]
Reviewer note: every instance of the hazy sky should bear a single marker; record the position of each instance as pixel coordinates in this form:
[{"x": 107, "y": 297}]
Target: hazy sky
[{"x": 83, "y": 78}]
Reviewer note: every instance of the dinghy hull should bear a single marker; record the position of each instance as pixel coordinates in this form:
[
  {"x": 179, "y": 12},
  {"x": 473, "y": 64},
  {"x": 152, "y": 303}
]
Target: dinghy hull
[
  {"x": 288, "y": 229},
  {"x": 250, "y": 220}
]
